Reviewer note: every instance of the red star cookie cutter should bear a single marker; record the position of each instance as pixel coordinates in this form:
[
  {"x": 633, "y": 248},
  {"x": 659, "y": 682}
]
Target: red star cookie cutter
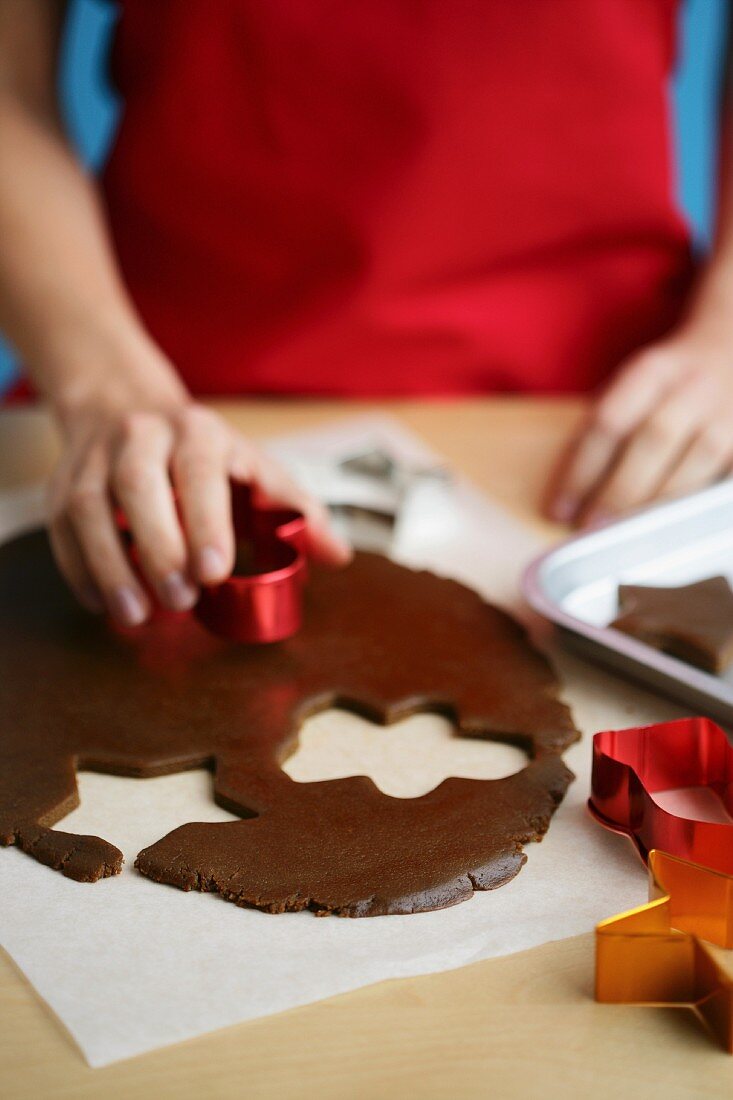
[
  {"x": 262, "y": 601},
  {"x": 654, "y": 955},
  {"x": 631, "y": 766}
]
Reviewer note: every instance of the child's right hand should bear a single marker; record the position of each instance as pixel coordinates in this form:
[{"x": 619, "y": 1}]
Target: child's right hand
[{"x": 136, "y": 454}]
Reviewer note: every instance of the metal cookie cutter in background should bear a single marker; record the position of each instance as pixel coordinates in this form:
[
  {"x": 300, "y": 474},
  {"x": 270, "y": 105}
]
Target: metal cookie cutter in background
[
  {"x": 424, "y": 495},
  {"x": 652, "y": 955},
  {"x": 262, "y": 600},
  {"x": 376, "y": 497},
  {"x": 632, "y": 767}
]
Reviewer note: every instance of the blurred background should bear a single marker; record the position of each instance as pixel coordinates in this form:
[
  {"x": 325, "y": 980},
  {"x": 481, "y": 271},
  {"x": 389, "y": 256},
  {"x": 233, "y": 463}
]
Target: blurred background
[{"x": 92, "y": 110}]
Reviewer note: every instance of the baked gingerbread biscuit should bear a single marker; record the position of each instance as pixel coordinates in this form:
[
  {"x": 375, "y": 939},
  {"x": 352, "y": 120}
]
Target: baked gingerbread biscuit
[{"x": 693, "y": 622}]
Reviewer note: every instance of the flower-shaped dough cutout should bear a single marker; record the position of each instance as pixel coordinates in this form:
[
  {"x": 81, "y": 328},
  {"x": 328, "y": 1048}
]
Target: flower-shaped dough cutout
[{"x": 405, "y": 760}]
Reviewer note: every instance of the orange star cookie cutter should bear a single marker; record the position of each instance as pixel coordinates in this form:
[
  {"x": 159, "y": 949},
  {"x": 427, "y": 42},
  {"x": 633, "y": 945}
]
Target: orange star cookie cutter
[{"x": 658, "y": 953}]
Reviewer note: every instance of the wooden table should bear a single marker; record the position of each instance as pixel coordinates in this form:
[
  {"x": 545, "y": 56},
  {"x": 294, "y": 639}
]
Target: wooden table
[{"x": 524, "y": 1026}]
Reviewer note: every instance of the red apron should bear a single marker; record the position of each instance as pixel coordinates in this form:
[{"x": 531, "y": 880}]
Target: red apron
[{"x": 398, "y": 196}]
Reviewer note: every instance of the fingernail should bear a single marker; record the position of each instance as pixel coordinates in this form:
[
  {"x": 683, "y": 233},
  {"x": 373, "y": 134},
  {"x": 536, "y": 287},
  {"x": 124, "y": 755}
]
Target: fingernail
[
  {"x": 331, "y": 549},
  {"x": 595, "y": 519},
  {"x": 177, "y": 593},
  {"x": 128, "y": 607},
  {"x": 344, "y": 551},
  {"x": 563, "y": 509},
  {"x": 212, "y": 566},
  {"x": 92, "y": 600}
]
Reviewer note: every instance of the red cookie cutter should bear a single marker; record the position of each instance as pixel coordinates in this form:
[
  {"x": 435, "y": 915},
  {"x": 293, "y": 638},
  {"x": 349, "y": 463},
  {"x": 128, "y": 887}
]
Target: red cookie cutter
[
  {"x": 631, "y": 766},
  {"x": 263, "y": 599}
]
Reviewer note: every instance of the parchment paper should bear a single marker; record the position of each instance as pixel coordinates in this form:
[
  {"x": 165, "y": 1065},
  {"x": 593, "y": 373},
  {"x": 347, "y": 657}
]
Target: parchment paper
[{"x": 128, "y": 965}]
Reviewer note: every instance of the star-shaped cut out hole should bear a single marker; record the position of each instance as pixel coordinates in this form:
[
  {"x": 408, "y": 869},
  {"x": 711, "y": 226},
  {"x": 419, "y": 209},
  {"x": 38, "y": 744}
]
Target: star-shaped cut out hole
[{"x": 134, "y": 812}]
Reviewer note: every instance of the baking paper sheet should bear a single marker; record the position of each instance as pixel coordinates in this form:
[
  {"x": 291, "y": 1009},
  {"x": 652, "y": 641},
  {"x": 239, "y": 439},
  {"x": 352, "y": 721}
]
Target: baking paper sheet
[{"x": 128, "y": 965}]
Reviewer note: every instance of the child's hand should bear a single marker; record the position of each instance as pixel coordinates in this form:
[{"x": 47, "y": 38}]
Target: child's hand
[
  {"x": 663, "y": 427},
  {"x": 136, "y": 457}
]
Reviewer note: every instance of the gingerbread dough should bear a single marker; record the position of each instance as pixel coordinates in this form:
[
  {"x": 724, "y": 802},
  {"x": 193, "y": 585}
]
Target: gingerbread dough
[
  {"x": 378, "y": 639},
  {"x": 693, "y": 622}
]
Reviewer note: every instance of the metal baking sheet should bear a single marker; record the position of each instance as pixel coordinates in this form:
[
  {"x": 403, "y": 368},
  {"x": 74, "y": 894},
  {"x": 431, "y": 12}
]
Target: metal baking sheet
[{"x": 575, "y": 586}]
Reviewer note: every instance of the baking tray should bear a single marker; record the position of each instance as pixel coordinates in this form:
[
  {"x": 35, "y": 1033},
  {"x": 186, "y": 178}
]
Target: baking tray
[{"x": 575, "y": 586}]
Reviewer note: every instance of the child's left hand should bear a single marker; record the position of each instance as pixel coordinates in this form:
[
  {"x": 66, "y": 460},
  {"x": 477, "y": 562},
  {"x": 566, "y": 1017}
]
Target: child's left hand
[{"x": 664, "y": 426}]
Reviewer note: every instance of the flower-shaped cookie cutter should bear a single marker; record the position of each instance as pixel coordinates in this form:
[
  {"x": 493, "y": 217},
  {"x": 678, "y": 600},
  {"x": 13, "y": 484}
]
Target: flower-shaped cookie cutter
[
  {"x": 655, "y": 955},
  {"x": 262, "y": 601},
  {"x": 632, "y": 766}
]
